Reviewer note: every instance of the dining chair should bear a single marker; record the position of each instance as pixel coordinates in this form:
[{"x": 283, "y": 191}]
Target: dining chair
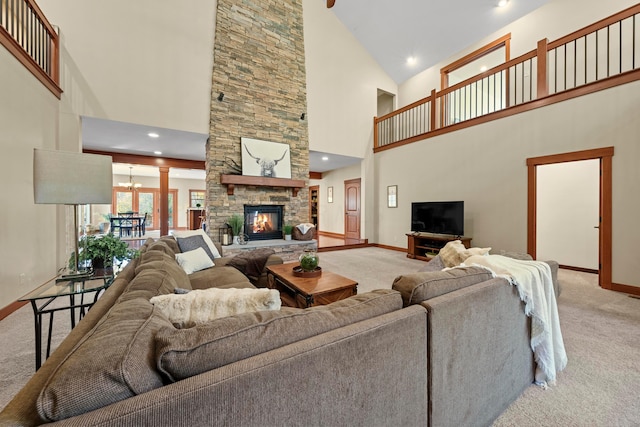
[
  {"x": 140, "y": 227},
  {"x": 126, "y": 223},
  {"x": 115, "y": 223}
]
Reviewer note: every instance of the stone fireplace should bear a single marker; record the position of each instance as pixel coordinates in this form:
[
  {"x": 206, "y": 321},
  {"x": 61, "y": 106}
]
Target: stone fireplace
[
  {"x": 259, "y": 66},
  {"x": 263, "y": 222}
]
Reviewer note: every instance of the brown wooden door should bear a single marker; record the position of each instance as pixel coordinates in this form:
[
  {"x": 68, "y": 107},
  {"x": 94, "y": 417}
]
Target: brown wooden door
[{"x": 352, "y": 209}]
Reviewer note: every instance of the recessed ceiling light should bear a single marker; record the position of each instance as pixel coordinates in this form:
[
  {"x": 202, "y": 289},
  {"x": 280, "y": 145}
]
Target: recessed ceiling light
[
  {"x": 325, "y": 158},
  {"x": 411, "y": 60},
  {"x": 157, "y": 153},
  {"x": 483, "y": 68},
  {"x": 153, "y": 135},
  {"x": 503, "y": 3}
]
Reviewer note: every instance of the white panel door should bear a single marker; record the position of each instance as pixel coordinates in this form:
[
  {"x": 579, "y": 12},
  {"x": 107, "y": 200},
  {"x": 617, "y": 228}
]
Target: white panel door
[{"x": 568, "y": 213}]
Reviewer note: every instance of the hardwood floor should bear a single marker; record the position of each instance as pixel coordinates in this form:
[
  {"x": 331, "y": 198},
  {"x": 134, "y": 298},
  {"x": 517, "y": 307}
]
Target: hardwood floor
[{"x": 331, "y": 243}]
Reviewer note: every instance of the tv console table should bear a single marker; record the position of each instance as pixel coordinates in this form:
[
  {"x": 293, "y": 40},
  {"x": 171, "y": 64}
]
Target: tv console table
[{"x": 427, "y": 246}]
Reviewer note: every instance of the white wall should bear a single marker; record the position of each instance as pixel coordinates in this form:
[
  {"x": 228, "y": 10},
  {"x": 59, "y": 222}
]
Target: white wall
[
  {"x": 342, "y": 99},
  {"x": 332, "y": 214},
  {"x": 342, "y": 85},
  {"x": 485, "y": 166},
  {"x": 568, "y": 200},
  {"x": 555, "y": 19},
  {"x": 146, "y": 62},
  {"x": 28, "y": 232}
]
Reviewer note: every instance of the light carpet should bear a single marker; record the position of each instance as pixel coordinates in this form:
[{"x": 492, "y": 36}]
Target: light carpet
[{"x": 601, "y": 330}]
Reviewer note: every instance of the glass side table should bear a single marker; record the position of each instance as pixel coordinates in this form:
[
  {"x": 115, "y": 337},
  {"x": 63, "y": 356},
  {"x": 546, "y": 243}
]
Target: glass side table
[{"x": 41, "y": 298}]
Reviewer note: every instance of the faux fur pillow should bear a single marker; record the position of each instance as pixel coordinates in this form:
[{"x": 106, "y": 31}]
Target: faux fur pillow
[
  {"x": 454, "y": 253},
  {"x": 202, "y": 305},
  {"x": 451, "y": 253}
]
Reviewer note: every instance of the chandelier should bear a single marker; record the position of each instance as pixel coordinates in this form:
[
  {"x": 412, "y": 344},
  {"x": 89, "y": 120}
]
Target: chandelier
[{"x": 130, "y": 184}]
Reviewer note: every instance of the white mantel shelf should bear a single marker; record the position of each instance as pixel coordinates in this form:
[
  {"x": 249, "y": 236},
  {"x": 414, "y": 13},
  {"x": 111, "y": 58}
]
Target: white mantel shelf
[{"x": 232, "y": 180}]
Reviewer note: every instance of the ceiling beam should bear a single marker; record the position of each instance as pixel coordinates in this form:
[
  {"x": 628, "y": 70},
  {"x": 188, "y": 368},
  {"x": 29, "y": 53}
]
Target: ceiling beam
[{"x": 137, "y": 159}]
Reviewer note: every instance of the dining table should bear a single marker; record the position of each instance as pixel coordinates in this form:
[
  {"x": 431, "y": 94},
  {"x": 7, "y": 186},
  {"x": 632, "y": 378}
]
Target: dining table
[{"x": 129, "y": 223}]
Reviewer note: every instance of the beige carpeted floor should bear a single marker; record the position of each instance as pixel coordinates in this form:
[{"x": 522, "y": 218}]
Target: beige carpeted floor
[{"x": 601, "y": 329}]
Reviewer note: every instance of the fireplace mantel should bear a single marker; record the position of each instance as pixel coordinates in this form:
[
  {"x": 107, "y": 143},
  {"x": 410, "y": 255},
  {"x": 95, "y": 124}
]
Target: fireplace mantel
[{"x": 232, "y": 180}]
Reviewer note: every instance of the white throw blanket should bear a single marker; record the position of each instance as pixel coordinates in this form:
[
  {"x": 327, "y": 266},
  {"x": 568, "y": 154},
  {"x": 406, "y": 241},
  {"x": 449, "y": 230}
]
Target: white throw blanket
[{"x": 534, "y": 283}]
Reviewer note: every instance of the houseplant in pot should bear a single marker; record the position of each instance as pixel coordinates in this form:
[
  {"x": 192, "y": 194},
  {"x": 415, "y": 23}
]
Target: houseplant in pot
[
  {"x": 236, "y": 222},
  {"x": 287, "y": 229},
  {"x": 103, "y": 251}
]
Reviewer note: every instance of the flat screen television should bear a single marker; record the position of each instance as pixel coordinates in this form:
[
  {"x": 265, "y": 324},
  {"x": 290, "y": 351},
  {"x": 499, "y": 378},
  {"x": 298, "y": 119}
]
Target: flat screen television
[{"x": 438, "y": 217}]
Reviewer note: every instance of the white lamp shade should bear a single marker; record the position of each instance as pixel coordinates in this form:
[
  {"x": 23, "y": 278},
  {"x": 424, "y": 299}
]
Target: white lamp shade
[{"x": 65, "y": 177}]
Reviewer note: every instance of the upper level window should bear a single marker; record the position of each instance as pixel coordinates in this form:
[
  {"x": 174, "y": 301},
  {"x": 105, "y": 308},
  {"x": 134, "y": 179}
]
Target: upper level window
[{"x": 491, "y": 55}]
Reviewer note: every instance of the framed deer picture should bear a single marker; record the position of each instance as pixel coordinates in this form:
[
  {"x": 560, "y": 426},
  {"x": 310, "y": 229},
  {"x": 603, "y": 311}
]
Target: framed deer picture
[{"x": 265, "y": 158}]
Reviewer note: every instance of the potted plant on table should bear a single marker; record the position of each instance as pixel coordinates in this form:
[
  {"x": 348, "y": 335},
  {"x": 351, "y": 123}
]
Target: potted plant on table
[
  {"x": 236, "y": 222},
  {"x": 103, "y": 251}
]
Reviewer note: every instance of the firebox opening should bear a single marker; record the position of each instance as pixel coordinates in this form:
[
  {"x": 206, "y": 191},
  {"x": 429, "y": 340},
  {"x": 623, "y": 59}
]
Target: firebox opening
[{"x": 262, "y": 222}]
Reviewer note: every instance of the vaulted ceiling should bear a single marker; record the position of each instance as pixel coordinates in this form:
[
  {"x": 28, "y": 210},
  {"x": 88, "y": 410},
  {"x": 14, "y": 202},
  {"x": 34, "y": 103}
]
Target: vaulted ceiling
[{"x": 429, "y": 31}]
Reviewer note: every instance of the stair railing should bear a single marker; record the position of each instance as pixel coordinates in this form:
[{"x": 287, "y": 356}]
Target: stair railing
[
  {"x": 28, "y": 35},
  {"x": 584, "y": 59}
]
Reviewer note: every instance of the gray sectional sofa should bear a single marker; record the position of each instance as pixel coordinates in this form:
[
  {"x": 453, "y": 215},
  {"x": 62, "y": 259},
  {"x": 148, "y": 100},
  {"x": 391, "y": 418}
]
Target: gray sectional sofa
[{"x": 440, "y": 349}]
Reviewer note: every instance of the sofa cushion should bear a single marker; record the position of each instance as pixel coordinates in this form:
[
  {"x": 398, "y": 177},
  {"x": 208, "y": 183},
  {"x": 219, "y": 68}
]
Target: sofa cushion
[
  {"x": 182, "y": 353},
  {"x": 185, "y": 310},
  {"x": 216, "y": 277},
  {"x": 157, "y": 273},
  {"x": 194, "y": 260},
  {"x": 171, "y": 242},
  {"x": 113, "y": 362},
  {"x": 162, "y": 246},
  {"x": 418, "y": 287}
]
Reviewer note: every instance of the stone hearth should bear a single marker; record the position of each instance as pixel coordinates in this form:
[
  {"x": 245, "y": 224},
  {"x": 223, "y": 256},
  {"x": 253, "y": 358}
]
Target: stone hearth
[{"x": 289, "y": 250}]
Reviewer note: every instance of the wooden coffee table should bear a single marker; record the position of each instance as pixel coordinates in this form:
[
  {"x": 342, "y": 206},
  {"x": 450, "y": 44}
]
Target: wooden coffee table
[{"x": 306, "y": 292}]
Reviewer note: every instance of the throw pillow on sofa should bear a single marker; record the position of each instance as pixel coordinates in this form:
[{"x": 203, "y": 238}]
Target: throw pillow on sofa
[
  {"x": 190, "y": 243},
  {"x": 205, "y": 236},
  {"x": 454, "y": 253},
  {"x": 202, "y": 305},
  {"x": 194, "y": 260}
]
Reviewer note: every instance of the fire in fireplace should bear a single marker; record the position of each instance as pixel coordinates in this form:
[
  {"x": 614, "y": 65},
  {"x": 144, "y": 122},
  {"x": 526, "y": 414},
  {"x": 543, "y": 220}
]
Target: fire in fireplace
[{"x": 262, "y": 222}]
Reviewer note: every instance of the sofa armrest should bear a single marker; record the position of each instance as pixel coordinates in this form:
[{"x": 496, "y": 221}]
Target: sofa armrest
[{"x": 480, "y": 358}]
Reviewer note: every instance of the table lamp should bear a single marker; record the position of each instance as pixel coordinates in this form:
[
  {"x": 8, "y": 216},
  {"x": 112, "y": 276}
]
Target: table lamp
[{"x": 69, "y": 178}]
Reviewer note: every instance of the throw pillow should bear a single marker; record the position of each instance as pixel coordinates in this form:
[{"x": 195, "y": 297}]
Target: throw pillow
[
  {"x": 451, "y": 253},
  {"x": 475, "y": 251},
  {"x": 454, "y": 253},
  {"x": 202, "y": 305},
  {"x": 194, "y": 260},
  {"x": 194, "y": 242},
  {"x": 205, "y": 236}
]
